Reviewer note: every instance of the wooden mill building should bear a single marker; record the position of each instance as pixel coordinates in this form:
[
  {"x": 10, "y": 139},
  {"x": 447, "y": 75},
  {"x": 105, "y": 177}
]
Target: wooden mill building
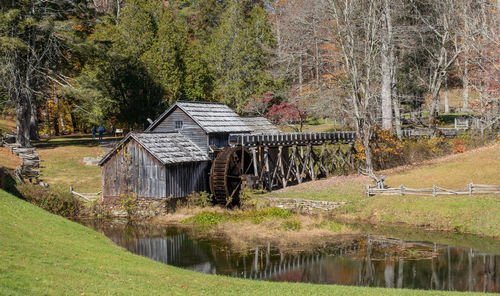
[{"x": 172, "y": 156}]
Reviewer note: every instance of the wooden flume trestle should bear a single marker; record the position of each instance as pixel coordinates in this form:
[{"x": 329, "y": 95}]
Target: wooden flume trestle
[
  {"x": 273, "y": 161},
  {"x": 277, "y": 160}
]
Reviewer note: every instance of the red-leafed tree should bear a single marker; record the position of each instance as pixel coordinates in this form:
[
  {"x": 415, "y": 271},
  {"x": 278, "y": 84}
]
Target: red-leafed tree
[
  {"x": 259, "y": 106},
  {"x": 287, "y": 113}
]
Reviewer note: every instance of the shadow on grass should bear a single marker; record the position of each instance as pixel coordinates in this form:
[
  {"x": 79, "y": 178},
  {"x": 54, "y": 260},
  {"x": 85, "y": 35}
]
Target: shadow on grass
[
  {"x": 7, "y": 181},
  {"x": 72, "y": 140}
]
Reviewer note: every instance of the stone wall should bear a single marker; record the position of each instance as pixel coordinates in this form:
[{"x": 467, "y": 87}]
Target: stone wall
[
  {"x": 144, "y": 207},
  {"x": 151, "y": 207},
  {"x": 303, "y": 205}
]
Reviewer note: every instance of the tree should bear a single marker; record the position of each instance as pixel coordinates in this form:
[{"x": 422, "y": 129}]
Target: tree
[
  {"x": 240, "y": 51},
  {"x": 118, "y": 88},
  {"x": 140, "y": 64},
  {"x": 286, "y": 113},
  {"x": 355, "y": 29},
  {"x": 387, "y": 65},
  {"x": 260, "y": 105},
  {"x": 29, "y": 45},
  {"x": 437, "y": 29},
  {"x": 34, "y": 48}
]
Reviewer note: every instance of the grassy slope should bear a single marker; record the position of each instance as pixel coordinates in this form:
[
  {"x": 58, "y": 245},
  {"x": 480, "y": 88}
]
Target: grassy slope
[
  {"x": 477, "y": 214},
  {"x": 41, "y": 253},
  {"x": 62, "y": 162}
]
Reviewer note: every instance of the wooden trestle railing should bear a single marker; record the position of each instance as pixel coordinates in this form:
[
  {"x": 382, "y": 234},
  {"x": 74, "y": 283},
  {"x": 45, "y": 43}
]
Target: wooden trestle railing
[
  {"x": 289, "y": 139},
  {"x": 302, "y": 139},
  {"x": 283, "y": 159}
]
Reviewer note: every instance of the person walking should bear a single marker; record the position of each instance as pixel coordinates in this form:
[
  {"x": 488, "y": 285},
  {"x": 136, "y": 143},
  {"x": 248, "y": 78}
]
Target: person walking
[
  {"x": 93, "y": 132},
  {"x": 101, "y": 131}
]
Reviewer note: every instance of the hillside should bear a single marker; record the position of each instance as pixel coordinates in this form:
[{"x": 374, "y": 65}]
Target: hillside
[
  {"x": 477, "y": 214},
  {"x": 45, "y": 254}
]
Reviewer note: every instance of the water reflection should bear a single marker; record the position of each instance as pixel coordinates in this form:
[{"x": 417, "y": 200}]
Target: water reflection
[{"x": 361, "y": 261}]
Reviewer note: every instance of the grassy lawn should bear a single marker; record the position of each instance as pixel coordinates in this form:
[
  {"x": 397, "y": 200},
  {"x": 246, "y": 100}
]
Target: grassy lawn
[
  {"x": 62, "y": 162},
  {"x": 44, "y": 254},
  {"x": 7, "y": 123},
  {"x": 8, "y": 159},
  {"x": 477, "y": 214}
]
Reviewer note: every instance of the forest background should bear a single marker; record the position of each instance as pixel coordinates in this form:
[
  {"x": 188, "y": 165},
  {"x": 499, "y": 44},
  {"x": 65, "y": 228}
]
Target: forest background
[{"x": 68, "y": 65}]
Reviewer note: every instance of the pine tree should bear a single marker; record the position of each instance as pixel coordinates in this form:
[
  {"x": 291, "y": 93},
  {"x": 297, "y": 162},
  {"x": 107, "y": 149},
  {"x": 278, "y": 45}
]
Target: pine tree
[{"x": 240, "y": 52}]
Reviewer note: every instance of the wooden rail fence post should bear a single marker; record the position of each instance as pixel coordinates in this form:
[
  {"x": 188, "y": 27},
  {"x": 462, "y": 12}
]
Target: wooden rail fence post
[
  {"x": 434, "y": 190},
  {"x": 402, "y": 190},
  {"x": 470, "y": 189},
  {"x": 368, "y": 190}
]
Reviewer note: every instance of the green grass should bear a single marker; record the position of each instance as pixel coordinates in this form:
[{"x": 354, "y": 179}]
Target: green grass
[
  {"x": 477, "y": 214},
  {"x": 44, "y": 254},
  {"x": 7, "y": 124},
  {"x": 253, "y": 215},
  {"x": 206, "y": 218},
  {"x": 62, "y": 162}
]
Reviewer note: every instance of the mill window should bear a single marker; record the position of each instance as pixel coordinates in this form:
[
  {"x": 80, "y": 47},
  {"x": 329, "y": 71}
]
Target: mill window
[{"x": 178, "y": 125}]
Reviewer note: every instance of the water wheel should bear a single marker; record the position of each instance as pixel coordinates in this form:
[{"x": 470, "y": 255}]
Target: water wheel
[{"x": 226, "y": 174}]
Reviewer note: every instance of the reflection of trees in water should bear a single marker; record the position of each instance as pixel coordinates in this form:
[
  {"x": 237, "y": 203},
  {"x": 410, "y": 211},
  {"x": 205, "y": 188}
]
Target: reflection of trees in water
[{"x": 369, "y": 261}]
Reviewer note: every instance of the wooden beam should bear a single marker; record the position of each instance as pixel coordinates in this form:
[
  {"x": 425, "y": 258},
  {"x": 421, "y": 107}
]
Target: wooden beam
[
  {"x": 267, "y": 169},
  {"x": 255, "y": 165}
]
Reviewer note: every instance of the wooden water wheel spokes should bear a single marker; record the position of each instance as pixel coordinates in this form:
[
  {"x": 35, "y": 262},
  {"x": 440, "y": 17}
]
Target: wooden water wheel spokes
[{"x": 228, "y": 168}]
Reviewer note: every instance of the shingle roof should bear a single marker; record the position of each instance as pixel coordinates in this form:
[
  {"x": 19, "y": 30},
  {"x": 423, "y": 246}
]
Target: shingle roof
[
  {"x": 211, "y": 117},
  {"x": 260, "y": 125},
  {"x": 168, "y": 148}
]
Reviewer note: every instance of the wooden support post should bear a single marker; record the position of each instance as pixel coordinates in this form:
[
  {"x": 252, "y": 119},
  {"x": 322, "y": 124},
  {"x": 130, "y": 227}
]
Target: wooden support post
[
  {"x": 267, "y": 169},
  {"x": 298, "y": 173},
  {"x": 311, "y": 162},
  {"x": 469, "y": 186},
  {"x": 322, "y": 161},
  {"x": 255, "y": 166},
  {"x": 290, "y": 164},
  {"x": 402, "y": 190},
  {"x": 242, "y": 164},
  {"x": 368, "y": 190},
  {"x": 282, "y": 168},
  {"x": 434, "y": 191},
  {"x": 275, "y": 171},
  {"x": 319, "y": 163}
]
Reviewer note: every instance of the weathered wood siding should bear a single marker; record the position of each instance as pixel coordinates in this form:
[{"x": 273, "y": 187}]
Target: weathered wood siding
[
  {"x": 190, "y": 128},
  {"x": 184, "y": 178},
  {"x": 145, "y": 174},
  {"x": 149, "y": 178}
]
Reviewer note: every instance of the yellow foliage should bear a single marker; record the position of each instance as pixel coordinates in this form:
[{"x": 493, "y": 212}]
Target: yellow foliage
[{"x": 360, "y": 151}]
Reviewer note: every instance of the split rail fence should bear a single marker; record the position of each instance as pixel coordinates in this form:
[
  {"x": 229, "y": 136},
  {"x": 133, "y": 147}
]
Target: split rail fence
[
  {"x": 30, "y": 167},
  {"x": 86, "y": 196},
  {"x": 434, "y": 191}
]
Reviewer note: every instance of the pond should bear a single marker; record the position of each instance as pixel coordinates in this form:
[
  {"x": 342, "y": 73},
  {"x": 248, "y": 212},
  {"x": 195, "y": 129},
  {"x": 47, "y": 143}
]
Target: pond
[{"x": 361, "y": 260}]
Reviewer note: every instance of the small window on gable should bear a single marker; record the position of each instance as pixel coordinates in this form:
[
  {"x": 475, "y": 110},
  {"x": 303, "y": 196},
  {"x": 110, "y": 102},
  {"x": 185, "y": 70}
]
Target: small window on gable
[{"x": 178, "y": 124}]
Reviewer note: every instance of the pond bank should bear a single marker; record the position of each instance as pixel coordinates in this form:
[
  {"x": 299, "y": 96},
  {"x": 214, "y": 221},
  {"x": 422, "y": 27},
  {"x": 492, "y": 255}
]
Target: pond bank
[
  {"x": 296, "y": 224},
  {"x": 366, "y": 259},
  {"x": 46, "y": 254},
  {"x": 476, "y": 214},
  {"x": 292, "y": 230}
]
